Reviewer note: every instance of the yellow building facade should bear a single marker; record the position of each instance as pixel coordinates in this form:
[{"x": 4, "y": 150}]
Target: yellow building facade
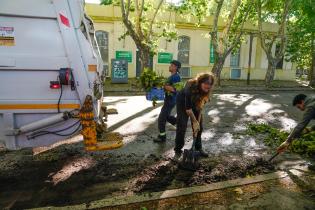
[{"x": 192, "y": 47}]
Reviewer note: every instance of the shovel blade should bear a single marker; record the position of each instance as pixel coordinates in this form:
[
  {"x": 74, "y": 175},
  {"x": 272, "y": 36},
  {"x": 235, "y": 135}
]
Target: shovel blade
[{"x": 189, "y": 161}]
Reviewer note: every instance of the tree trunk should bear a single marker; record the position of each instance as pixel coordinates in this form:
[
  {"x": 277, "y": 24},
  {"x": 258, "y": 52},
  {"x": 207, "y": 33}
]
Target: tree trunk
[
  {"x": 270, "y": 74},
  {"x": 217, "y": 68},
  {"x": 144, "y": 58},
  {"x": 312, "y": 67}
]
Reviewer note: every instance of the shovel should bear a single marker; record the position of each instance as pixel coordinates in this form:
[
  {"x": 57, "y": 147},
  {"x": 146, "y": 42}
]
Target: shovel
[
  {"x": 190, "y": 157},
  {"x": 275, "y": 155}
]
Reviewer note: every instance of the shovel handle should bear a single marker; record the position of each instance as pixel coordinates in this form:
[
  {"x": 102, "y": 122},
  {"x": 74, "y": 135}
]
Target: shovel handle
[{"x": 275, "y": 155}]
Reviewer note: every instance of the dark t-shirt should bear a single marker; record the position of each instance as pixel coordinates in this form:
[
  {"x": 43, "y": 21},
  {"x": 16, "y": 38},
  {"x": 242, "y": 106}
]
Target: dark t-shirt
[{"x": 184, "y": 97}]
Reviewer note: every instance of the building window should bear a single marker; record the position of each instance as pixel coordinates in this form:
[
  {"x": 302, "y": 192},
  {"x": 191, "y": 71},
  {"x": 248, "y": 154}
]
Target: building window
[
  {"x": 280, "y": 63},
  {"x": 102, "y": 41},
  {"x": 235, "y": 58},
  {"x": 183, "y": 49}
]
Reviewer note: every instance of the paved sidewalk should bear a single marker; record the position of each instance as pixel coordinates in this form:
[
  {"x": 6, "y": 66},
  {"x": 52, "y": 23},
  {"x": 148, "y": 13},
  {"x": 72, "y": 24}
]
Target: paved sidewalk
[{"x": 227, "y": 86}]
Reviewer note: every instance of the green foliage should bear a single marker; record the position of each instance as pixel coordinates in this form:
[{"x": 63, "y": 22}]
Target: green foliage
[
  {"x": 305, "y": 145},
  {"x": 301, "y": 33},
  {"x": 109, "y": 2},
  {"x": 196, "y": 8},
  {"x": 272, "y": 10},
  {"x": 106, "y": 2},
  {"x": 178, "y": 86},
  {"x": 143, "y": 26},
  {"x": 149, "y": 79},
  {"x": 273, "y": 138},
  {"x": 154, "y": 101},
  {"x": 233, "y": 13},
  {"x": 246, "y": 10}
]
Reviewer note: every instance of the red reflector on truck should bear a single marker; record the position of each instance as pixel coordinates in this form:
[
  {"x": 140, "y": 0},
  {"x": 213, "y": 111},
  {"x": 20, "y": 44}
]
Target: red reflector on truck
[
  {"x": 64, "y": 20},
  {"x": 54, "y": 85}
]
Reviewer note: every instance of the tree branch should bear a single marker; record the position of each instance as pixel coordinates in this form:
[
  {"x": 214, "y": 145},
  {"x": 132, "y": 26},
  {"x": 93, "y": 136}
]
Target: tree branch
[
  {"x": 214, "y": 32},
  {"x": 128, "y": 9},
  {"x": 260, "y": 29},
  {"x": 128, "y": 24},
  {"x": 142, "y": 7},
  {"x": 138, "y": 21},
  {"x": 231, "y": 18},
  {"x": 123, "y": 10},
  {"x": 153, "y": 18},
  {"x": 238, "y": 38},
  {"x": 281, "y": 31}
]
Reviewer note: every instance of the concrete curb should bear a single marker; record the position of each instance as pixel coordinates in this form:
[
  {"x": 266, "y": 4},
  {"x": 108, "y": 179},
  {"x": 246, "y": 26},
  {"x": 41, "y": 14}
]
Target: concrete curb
[{"x": 123, "y": 200}]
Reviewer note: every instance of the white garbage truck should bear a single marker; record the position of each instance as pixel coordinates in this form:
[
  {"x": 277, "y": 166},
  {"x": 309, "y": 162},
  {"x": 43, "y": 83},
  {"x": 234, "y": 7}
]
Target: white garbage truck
[{"x": 51, "y": 75}]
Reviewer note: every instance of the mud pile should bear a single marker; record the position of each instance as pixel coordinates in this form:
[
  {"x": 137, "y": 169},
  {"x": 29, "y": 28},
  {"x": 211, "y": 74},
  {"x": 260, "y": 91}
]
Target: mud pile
[
  {"x": 77, "y": 176},
  {"x": 169, "y": 176}
]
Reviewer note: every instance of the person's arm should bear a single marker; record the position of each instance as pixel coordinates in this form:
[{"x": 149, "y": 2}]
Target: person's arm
[
  {"x": 307, "y": 117},
  {"x": 189, "y": 111},
  {"x": 191, "y": 115},
  {"x": 195, "y": 123},
  {"x": 169, "y": 86}
]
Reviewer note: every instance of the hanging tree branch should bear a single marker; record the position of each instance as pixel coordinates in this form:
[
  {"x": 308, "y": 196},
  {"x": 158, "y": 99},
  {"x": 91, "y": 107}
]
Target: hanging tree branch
[
  {"x": 128, "y": 9},
  {"x": 154, "y": 16},
  {"x": 282, "y": 28},
  {"x": 214, "y": 35},
  {"x": 238, "y": 38},
  {"x": 231, "y": 18}
]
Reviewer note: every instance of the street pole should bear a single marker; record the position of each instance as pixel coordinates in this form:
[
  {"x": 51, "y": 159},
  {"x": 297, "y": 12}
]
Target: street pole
[{"x": 250, "y": 56}]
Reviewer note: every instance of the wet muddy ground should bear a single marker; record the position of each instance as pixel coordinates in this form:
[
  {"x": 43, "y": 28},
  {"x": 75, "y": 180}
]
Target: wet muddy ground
[{"x": 68, "y": 175}]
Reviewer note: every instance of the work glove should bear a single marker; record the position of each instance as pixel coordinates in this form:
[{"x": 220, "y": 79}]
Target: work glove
[
  {"x": 195, "y": 127},
  {"x": 283, "y": 147}
]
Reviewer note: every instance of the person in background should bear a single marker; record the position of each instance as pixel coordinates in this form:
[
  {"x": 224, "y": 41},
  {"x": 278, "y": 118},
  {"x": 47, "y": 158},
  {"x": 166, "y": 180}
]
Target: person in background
[{"x": 169, "y": 101}]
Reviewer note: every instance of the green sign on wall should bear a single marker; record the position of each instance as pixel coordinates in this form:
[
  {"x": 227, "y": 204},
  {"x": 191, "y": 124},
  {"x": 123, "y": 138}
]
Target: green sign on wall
[
  {"x": 127, "y": 55},
  {"x": 165, "y": 57},
  {"x": 211, "y": 54}
]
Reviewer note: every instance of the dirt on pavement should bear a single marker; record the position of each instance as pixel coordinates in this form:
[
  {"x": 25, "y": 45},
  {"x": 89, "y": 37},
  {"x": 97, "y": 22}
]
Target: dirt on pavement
[{"x": 69, "y": 175}]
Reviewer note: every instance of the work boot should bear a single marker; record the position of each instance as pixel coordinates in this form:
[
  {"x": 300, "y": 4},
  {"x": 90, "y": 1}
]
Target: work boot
[
  {"x": 178, "y": 154},
  {"x": 203, "y": 153},
  {"x": 160, "y": 139}
]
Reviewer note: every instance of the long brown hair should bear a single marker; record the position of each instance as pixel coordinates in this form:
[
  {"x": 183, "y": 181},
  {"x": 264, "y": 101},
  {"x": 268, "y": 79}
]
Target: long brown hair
[{"x": 199, "y": 98}]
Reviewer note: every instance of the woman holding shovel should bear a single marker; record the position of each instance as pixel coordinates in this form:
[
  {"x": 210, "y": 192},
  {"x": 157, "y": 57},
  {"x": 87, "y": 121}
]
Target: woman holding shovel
[{"x": 189, "y": 104}]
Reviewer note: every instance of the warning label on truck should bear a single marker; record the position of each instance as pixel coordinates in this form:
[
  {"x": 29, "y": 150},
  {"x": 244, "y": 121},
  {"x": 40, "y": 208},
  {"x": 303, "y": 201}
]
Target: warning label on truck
[{"x": 6, "y": 36}]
